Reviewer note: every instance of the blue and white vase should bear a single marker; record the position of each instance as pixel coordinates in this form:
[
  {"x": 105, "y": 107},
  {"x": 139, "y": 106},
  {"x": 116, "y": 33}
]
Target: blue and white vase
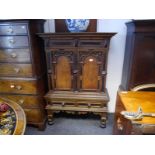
[{"x": 77, "y": 25}]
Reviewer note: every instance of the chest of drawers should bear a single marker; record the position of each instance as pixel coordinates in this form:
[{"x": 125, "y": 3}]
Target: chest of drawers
[{"x": 22, "y": 67}]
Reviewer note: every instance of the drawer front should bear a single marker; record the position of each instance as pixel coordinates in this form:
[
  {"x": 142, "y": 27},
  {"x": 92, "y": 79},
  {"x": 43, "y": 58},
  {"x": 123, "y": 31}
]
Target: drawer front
[
  {"x": 78, "y": 104},
  {"x": 61, "y": 43},
  {"x": 13, "y": 29},
  {"x": 18, "y": 86},
  {"x": 93, "y": 43},
  {"x": 19, "y": 70},
  {"x": 15, "y": 55},
  {"x": 13, "y": 41},
  {"x": 26, "y": 101},
  {"x": 34, "y": 115}
]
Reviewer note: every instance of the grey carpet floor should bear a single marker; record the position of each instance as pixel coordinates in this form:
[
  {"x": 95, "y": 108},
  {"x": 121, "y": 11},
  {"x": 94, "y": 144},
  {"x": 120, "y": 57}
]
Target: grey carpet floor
[{"x": 74, "y": 125}]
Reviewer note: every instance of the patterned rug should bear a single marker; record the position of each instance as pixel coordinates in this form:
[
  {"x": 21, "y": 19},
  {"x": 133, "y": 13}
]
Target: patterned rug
[{"x": 7, "y": 119}]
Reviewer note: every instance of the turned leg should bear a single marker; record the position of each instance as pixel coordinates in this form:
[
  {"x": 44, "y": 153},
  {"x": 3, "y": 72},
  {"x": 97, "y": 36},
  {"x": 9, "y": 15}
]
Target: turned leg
[
  {"x": 103, "y": 121},
  {"x": 50, "y": 117}
]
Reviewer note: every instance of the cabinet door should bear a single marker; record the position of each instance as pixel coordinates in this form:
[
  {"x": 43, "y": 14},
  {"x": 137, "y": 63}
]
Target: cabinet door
[
  {"x": 63, "y": 63},
  {"x": 143, "y": 67},
  {"x": 92, "y": 70}
]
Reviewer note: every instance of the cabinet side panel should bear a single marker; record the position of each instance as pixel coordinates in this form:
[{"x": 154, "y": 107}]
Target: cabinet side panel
[{"x": 129, "y": 49}]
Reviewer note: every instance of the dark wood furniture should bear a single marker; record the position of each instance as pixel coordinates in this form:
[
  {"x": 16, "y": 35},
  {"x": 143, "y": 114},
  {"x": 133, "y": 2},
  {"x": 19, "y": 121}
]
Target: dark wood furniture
[
  {"x": 139, "y": 60},
  {"x": 17, "y": 114},
  {"x": 60, "y": 25},
  {"x": 130, "y": 101},
  {"x": 77, "y": 69},
  {"x": 23, "y": 67}
]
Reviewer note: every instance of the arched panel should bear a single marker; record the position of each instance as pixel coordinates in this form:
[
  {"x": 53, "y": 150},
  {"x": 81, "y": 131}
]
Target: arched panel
[
  {"x": 90, "y": 72},
  {"x": 63, "y": 73}
]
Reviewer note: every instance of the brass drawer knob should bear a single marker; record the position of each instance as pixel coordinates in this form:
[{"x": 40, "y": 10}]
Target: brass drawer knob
[
  {"x": 21, "y": 101},
  {"x": 19, "y": 87},
  {"x": 12, "y": 41},
  {"x": 17, "y": 70},
  {"x": 12, "y": 86},
  {"x": 10, "y": 30},
  {"x": 13, "y": 55}
]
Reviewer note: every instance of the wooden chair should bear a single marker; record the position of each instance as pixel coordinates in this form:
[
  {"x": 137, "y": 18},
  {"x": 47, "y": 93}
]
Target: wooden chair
[{"x": 144, "y": 87}]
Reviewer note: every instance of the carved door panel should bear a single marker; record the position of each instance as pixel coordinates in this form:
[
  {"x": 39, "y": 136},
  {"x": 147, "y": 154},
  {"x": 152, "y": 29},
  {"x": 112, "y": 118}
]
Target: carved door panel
[
  {"x": 91, "y": 70},
  {"x": 63, "y": 63}
]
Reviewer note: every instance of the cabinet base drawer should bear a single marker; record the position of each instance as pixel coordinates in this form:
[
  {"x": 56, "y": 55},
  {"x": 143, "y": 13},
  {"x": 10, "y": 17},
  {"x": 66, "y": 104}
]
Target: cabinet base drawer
[{"x": 84, "y": 109}]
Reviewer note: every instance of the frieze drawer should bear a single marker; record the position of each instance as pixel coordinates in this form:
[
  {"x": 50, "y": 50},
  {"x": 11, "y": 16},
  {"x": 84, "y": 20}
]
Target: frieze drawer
[
  {"x": 15, "y": 55},
  {"x": 13, "y": 29},
  {"x": 18, "y": 86},
  {"x": 93, "y": 43},
  {"x": 13, "y": 41},
  {"x": 59, "y": 43},
  {"x": 20, "y": 70}
]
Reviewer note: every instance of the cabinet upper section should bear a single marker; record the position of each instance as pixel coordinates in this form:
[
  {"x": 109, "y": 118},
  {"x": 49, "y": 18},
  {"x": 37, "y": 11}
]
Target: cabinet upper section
[{"x": 54, "y": 40}]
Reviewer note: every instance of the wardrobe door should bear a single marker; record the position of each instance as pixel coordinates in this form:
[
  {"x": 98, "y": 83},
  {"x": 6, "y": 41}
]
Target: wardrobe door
[
  {"x": 91, "y": 67},
  {"x": 63, "y": 63},
  {"x": 143, "y": 68}
]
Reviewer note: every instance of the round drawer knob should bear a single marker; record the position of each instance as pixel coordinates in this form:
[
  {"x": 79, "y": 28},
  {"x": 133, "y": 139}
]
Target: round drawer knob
[
  {"x": 10, "y": 30},
  {"x": 13, "y": 55},
  {"x": 21, "y": 101},
  {"x": 17, "y": 70},
  {"x": 19, "y": 87},
  {"x": 12, "y": 86},
  {"x": 11, "y": 41}
]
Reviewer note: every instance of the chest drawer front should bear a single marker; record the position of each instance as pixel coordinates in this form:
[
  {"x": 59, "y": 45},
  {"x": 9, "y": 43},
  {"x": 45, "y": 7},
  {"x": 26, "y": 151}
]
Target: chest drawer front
[
  {"x": 15, "y": 55},
  {"x": 19, "y": 70},
  {"x": 26, "y": 101},
  {"x": 18, "y": 86},
  {"x": 13, "y": 41},
  {"x": 34, "y": 115},
  {"x": 13, "y": 29}
]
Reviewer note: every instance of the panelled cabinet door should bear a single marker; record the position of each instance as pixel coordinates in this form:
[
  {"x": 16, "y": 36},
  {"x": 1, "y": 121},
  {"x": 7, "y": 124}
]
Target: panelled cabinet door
[
  {"x": 144, "y": 60},
  {"x": 62, "y": 69},
  {"x": 91, "y": 67}
]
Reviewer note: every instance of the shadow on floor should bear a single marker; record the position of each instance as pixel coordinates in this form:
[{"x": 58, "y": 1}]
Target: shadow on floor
[{"x": 67, "y": 124}]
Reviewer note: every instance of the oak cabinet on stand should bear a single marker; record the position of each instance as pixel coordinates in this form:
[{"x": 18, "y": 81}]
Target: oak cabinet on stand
[{"x": 77, "y": 69}]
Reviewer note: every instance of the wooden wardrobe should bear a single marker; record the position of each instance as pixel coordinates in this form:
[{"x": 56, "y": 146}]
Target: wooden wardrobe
[{"x": 139, "y": 59}]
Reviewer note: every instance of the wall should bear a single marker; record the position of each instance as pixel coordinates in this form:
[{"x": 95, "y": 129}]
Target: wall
[{"x": 116, "y": 53}]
